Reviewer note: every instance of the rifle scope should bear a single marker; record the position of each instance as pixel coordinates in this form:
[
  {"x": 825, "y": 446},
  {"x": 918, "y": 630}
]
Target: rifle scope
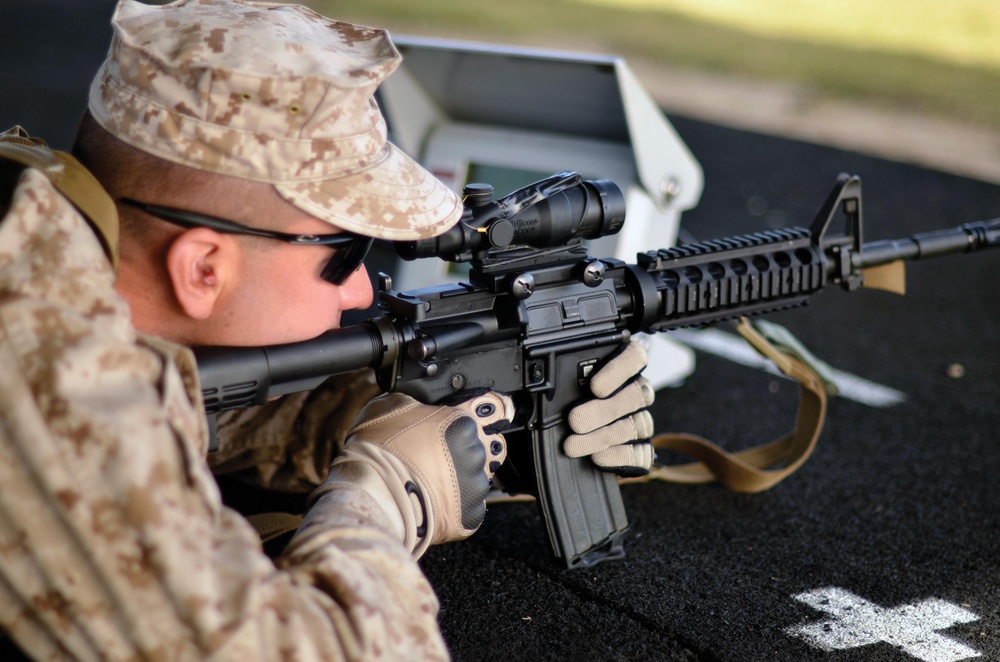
[{"x": 549, "y": 213}]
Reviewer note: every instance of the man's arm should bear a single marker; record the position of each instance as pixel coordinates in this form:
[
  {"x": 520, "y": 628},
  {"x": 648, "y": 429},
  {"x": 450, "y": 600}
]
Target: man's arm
[
  {"x": 288, "y": 444},
  {"x": 113, "y": 541}
]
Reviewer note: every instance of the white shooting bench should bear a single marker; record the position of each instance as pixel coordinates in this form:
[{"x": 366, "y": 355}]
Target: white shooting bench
[{"x": 509, "y": 116}]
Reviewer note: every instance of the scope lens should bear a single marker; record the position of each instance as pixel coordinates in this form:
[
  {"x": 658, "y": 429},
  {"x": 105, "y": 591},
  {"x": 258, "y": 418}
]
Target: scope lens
[{"x": 607, "y": 210}]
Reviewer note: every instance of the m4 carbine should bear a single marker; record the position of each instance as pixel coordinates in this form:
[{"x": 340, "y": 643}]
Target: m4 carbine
[{"x": 538, "y": 313}]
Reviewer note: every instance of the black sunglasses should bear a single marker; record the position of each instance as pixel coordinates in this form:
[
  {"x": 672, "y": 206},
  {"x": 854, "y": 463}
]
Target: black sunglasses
[{"x": 351, "y": 252}]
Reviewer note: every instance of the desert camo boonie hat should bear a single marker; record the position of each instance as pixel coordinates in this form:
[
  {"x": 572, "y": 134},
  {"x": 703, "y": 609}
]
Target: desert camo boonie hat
[{"x": 271, "y": 93}]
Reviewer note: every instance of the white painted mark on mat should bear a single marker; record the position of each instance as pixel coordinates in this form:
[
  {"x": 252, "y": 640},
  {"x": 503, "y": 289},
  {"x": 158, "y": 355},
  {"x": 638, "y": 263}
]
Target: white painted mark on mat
[{"x": 855, "y": 622}]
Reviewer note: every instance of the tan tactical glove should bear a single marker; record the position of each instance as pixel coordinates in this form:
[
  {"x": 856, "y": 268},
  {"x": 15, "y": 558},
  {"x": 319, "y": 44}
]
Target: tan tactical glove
[
  {"x": 428, "y": 467},
  {"x": 614, "y": 428}
]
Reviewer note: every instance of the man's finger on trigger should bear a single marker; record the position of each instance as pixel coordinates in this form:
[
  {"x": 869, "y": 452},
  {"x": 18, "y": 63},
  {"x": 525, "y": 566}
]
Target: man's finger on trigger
[
  {"x": 624, "y": 366},
  {"x": 486, "y": 406},
  {"x": 496, "y": 453},
  {"x": 594, "y": 414},
  {"x": 493, "y": 411}
]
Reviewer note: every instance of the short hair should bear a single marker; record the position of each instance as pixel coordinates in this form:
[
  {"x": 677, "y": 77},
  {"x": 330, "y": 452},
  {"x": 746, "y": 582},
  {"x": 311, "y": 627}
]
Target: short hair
[
  {"x": 122, "y": 167},
  {"x": 124, "y": 170},
  {"x": 127, "y": 171}
]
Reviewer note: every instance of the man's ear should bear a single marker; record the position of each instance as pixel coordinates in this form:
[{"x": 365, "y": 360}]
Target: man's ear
[{"x": 199, "y": 262}]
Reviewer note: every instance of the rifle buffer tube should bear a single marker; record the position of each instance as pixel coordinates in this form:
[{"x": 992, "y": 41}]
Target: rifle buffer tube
[{"x": 236, "y": 377}]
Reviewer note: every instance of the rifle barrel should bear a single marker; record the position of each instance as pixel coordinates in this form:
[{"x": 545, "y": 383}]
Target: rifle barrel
[{"x": 963, "y": 239}]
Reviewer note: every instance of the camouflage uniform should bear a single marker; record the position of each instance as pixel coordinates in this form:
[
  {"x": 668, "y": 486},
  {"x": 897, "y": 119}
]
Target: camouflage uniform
[
  {"x": 114, "y": 543},
  {"x": 113, "y": 540},
  {"x": 288, "y": 445}
]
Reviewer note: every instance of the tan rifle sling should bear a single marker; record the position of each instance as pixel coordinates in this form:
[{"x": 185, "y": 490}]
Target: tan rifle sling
[
  {"x": 71, "y": 179},
  {"x": 760, "y": 467}
]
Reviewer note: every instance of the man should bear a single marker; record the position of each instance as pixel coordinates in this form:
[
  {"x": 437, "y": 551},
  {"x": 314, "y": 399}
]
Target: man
[{"x": 240, "y": 145}]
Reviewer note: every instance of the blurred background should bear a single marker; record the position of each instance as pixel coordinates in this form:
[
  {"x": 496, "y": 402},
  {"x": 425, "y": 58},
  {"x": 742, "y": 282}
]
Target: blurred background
[
  {"x": 916, "y": 81},
  {"x": 913, "y": 80}
]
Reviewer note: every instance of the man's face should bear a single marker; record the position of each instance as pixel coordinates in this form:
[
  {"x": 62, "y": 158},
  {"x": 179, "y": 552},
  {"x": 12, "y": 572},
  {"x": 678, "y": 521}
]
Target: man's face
[
  {"x": 262, "y": 291},
  {"x": 279, "y": 296}
]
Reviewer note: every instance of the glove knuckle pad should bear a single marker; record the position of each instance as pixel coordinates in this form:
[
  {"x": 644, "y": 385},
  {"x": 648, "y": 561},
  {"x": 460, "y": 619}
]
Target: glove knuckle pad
[{"x": 468, "y": 456}]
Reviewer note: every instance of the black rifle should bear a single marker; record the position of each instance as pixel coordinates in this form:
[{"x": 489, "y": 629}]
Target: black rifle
[{"x": 538, "y": 313}]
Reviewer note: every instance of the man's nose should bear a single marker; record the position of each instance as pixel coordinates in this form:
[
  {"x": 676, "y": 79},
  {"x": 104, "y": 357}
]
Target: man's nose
[{"x": 356, "y": 292}]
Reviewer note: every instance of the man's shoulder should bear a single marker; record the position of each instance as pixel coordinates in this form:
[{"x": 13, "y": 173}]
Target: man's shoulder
[
  {"x": 39, "y": 219},
  {"x": 20, "y": 151}
]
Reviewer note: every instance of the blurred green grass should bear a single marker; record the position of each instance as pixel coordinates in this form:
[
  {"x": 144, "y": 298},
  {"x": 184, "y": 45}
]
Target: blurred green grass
[{"x": 938, "y": 59}]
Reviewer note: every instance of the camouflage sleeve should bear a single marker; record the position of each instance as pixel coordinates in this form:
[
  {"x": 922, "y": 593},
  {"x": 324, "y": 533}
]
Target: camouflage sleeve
[
  {"x": 288, "y": 444},
  {"x": 113, "y": 541}
]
